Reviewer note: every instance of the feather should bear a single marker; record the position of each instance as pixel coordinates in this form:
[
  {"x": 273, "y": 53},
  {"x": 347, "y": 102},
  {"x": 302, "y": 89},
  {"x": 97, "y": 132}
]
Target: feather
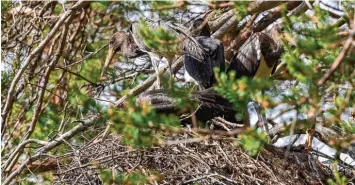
[
  {"x": 201, "y": 70},
  {"x": 211, "y": 104},
  {"x": 256, "y": 57}
]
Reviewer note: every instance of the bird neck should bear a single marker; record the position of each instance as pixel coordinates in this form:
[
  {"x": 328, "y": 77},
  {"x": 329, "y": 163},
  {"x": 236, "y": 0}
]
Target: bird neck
[
  {"x": 269, "y": 50},
  {"x": 127, "y": 47}
]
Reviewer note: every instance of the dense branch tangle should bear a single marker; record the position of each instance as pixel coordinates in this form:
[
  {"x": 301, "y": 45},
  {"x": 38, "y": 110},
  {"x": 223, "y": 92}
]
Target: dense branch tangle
[
  {"x": 37, "y": 67},
  {"x": 53, "y": 53}
]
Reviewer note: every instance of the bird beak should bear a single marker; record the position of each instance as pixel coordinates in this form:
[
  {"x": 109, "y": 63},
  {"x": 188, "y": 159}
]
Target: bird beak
[
  {"x": 207, "y": 13},
  {"x": 109, "y": 57},
  {"x": 282, "y": 73}
]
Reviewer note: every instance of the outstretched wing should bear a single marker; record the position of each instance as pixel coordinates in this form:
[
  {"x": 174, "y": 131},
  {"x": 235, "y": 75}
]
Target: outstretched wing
[{"x": 256, "y": 57}]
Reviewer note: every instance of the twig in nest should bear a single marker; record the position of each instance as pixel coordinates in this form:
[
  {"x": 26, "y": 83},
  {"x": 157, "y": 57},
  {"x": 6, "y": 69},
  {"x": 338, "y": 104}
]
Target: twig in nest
[
  {"x": 226, "y": 125},
  {"x": 199, "y": 178}
]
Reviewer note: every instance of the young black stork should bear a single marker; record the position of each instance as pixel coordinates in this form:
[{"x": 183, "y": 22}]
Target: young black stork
[
  {"x": 211, "y": 105},
  {"x": 133, "y": 44},
  {"x": 202, "y": 70},
  {"x": 256, "y": 58}
]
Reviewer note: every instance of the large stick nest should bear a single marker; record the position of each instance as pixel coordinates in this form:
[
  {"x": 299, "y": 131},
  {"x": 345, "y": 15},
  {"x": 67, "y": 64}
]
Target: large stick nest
[{"x": 187, "y": 160}]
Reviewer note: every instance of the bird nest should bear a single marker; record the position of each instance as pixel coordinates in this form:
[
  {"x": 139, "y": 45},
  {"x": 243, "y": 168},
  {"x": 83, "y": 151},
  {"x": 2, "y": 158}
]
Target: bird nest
[{"x": 185, "y": 159}]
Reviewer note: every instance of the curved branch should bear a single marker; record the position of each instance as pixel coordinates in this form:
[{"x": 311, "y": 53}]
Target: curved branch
[
  {"x": 149, "y": 82},
  {"x": 84, "y": 124},
  {"x": 339, "y": 59},
  {"x": 43, "y": 83},
  {"x": 10, "y": 95}
]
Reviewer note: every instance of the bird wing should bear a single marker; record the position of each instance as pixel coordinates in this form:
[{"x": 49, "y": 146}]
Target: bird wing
[
  {"x": 255, "y": 58},
  {"x": 202, "y": 71},
  {"x": 199, "y": 71},
  {"x": 214, "y": 49},
  {"x": 244, "y": 62},
  {"x": 211, "y": 104},
  {"x": 189, "y": 46}
]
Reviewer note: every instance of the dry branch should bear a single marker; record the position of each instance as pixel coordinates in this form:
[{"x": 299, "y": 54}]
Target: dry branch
[
  {"x": 239, "y": 39},
  {"x": 149, "y": 82},
  {"x": 326, "y": 133},
  {"x": 43, "y": 83},
  {"x": 187, "y": 159},
  {"x": 10, "y": 95},
  {"x": 84, "y": 124},
  {"x": 339, "y": 59},
  {"x": 229, "y": 19}
]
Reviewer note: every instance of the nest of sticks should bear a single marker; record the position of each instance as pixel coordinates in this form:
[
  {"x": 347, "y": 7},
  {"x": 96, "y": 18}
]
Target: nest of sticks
[{"x": 185, "y": 159}]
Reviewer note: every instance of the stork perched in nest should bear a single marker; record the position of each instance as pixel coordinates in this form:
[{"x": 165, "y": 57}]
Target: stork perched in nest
[
  {"x": 211, "y": 105},
  {"x": 134, "y": 45},
  {"x": 202, "y": 70},
  {"x": 256, "y": 58}
]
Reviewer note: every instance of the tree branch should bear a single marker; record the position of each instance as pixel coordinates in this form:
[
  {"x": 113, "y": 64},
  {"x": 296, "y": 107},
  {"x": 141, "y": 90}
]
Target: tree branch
[
  {"x": 10, "y": 95},
  {"x": 84, "y": 124},
  {"x": 149, "y": 82},
  {"x": 338, "y": 60}
]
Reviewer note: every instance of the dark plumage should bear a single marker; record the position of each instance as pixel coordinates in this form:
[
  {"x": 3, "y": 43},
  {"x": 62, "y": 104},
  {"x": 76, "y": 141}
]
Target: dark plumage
[
  {"x": 211, "y": 104},
  {"x": 256, "y": 58},
  {"x": 188, "y": 46},
  {"x": 201, "y": 70},
  {"x": 198, "y": 29},
  {"x": 133, "y": 43},
  {"x": 122, "y": 42}
]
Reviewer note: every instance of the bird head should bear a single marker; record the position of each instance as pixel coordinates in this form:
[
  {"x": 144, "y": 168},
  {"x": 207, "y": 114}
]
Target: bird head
[
  {"x": 199, "y": 26},
  {"x": 116, "y": 43}
]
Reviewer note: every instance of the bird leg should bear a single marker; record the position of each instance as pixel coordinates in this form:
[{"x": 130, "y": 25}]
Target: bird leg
[
  {"x": 309, "y": 138},
  {"x": 246, "y": 118},
  {"x": 170, "y": 60},
  {"x": 261, "y": 117},
  {"x": 155, "y": 62},
  {"x": 172, "y": 74},
  {"x": 157, "y": 83}
]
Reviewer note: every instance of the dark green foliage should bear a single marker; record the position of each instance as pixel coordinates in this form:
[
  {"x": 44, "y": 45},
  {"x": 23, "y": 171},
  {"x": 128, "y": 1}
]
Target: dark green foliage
[
  {"x": 311, "y": 45},
  {"x": 108, "y": 177},
  {"x": 241, "y": 9},
  {"x": 241, "y": 91},
  {"x": 253, "y": 140},
  {"x": 339, "y": 179},
  {"x": 139, "y": 124},
  {"x": 158, "y": 39},
  {"x": 6, "y": 5}
]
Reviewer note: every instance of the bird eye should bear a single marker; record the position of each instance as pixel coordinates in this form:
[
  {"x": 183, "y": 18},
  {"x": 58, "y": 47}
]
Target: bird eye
[
  {"x": 111, "y": 43},
  {"x": 117, "y": 48}
]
